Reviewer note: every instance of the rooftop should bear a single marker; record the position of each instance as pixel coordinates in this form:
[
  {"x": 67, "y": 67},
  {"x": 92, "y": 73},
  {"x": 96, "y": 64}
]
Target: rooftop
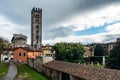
[{"x": 83, "y": 71}]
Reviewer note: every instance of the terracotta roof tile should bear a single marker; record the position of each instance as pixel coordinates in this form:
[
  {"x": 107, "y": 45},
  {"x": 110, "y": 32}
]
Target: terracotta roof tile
[{"x": 83, "y": 71}]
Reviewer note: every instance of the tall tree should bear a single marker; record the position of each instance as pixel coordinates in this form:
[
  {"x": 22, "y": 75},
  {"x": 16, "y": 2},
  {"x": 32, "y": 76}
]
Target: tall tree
[
  {"x": 71, "y": 52},
  {"x": 114, "y": 60},
  {"x": 4, "y": 44},
  {"x": 99, "y": 51}
]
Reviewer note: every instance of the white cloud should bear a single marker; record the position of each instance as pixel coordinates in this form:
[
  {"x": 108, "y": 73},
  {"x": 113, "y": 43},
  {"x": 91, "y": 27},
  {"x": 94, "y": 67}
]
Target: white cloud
[
  {"x": 96, "y": 18},
  {"x": 7, "y": 29},
  {"x": 113, "y": 28}
]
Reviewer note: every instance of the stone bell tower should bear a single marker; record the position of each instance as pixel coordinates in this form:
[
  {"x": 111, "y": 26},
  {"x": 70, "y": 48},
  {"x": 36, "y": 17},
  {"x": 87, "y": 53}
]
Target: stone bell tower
[{"x": 36, "y": 27}]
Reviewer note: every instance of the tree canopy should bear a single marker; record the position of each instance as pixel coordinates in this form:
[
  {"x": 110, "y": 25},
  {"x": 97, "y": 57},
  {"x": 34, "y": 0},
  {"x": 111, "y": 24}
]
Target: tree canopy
[
  {"x": 70, "y": 52},
  {"x": 114, "y": 60},
  {"x": 3, "y": 44},
  {"x": 99, "y": 51}
]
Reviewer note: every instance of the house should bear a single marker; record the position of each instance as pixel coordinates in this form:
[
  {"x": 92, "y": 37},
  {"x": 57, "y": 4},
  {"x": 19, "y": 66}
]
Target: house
[
  {"x": 89, "y": 51},
  {"x": 22, "y": 54},
  {"x": 48, "y": 51},
  {"x": 7, "y": 55}
]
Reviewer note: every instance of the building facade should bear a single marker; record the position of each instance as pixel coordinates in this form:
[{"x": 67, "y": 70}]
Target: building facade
[
  {"x": 36, "y": 27},
  {"x": 7, "y": 55},
  {"x": 22, "y": 54},
  {"x": 19, "y": 40},
  {"x": 48, "y": 51},
  {"x": 89, "y": 51}
]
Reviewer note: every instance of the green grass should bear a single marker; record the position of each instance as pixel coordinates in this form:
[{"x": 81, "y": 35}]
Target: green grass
[
  {"x": 26, "y": 73},
  {"x": 3, "y": 69}
]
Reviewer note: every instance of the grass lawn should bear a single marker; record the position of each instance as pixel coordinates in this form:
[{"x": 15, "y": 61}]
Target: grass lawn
[
  {"x": 26, "y": 73},
  {"x": 3, "y": 68}
]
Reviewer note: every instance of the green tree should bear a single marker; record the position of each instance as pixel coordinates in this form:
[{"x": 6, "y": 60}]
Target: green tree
[
  {"x": 114, "y": 60},
  {"x": 71, "y": 52},
  {"x": 99, "y": 51},
  {"x": 4, "y": 44}
]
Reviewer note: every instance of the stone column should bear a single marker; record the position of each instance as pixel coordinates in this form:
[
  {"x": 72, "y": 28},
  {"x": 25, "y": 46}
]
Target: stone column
[
  {"x": 60, "y": 76},
  {"x": 71, "y": 77}
]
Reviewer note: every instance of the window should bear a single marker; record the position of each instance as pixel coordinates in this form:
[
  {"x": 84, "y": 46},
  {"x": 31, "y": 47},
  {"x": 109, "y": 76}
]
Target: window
[
  {"x": 37, "y": 26},
  {"x": 37, "y": 16},
  {"x": 37, "y": 20},
  {"x": 37, "y": 36},
  {"x": 37, "y": 32},
  {"x": 19, "y": 54},
  {"x": 24, "y": 54}
]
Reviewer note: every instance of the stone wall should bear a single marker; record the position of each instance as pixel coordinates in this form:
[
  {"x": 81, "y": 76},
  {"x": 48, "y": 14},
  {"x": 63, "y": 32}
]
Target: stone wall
[
  {"x": 37, "y": 63},
  {"x": 59, "y": 70}
]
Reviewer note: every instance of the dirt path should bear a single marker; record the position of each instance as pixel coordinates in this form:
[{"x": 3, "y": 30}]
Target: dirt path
[{"x": 12, "y": 72}]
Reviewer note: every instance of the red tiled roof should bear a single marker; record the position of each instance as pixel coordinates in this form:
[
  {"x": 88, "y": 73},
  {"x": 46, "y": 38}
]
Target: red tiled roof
[
  {"x": 29, "y": 49},
  {"x": 83, "y": 71}
]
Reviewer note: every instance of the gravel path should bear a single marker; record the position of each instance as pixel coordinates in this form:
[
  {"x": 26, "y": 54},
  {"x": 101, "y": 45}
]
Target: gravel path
[{"x": 12, "y": 72}]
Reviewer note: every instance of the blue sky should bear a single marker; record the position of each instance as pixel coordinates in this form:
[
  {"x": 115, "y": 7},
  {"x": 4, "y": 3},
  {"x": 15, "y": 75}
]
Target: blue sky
[
  {"x": 84, "y": 21},
  {"x": 95, "y": 30},
  {"x": 90, "y": 31}
]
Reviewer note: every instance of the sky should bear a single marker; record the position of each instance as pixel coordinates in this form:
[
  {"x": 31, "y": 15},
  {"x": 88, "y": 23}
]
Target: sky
[{"x": 84, "y": 21}]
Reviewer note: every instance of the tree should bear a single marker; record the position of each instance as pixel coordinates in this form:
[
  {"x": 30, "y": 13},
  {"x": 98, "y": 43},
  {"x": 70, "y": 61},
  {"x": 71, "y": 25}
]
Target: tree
[
  {"x": 99, "y": 51},
  {"x": 70, "y": 52},
  {"x": 4, "y": 44},
  {"x": 114, "y": 60}
]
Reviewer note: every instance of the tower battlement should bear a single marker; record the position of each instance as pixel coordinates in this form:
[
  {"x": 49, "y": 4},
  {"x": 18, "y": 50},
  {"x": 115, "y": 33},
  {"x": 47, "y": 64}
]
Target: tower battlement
[{"x": 36, "y": 10}]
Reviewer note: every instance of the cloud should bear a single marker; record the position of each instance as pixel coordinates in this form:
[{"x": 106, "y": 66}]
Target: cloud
[
  {"x": 59, "y": 32},
  {"x": 111, "y": 33},
  {"x": 113, "y": 28},
  {"x": 7, "y": 29},
  {"x": 58, "y": 16},
  {"x": 96, "y": 18}
]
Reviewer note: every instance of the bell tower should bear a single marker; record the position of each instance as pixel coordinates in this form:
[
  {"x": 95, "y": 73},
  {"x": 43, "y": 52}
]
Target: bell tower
[{"x": 36, "y": 27}]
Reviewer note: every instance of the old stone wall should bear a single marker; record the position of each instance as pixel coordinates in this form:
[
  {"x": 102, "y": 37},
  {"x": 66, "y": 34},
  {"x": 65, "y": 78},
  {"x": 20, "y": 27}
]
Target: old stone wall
[{"x": 37, "y": 63}]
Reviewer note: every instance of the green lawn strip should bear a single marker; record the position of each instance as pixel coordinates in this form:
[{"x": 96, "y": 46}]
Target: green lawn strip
[
  {"x": 26, "y": 73},
  {"x": 3, "y": 69}
]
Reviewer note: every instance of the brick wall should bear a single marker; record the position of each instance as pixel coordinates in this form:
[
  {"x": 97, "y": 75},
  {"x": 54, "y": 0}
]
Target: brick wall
[{"x": 20, "y": 55}]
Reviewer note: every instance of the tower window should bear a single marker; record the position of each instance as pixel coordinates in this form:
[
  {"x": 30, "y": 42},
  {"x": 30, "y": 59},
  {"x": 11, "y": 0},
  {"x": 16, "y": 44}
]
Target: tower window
[
  {"x": 37, "y": 20},
  {"x": 37, "y": 32},
  {"x": 37, "y": 16},
  {"x": 37, "y": 26},
  {"x": 37, "y": 36}
]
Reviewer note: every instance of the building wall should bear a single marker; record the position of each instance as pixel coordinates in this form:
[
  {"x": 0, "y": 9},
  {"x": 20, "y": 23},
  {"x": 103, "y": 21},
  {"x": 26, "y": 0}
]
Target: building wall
[
  {"x": 110, "y": 47},
  {"x": 47, "y": 52},
  {"x": 19, "y": 40},
  {"x": 20, "y": 43},
  {"x": 18, "y": 57},
  {"x": 88, "y": 53},
  {"x": 38, "y": 62},
  {"x": 34, "y": 54},
  {"x": 9, "y": 56}
]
